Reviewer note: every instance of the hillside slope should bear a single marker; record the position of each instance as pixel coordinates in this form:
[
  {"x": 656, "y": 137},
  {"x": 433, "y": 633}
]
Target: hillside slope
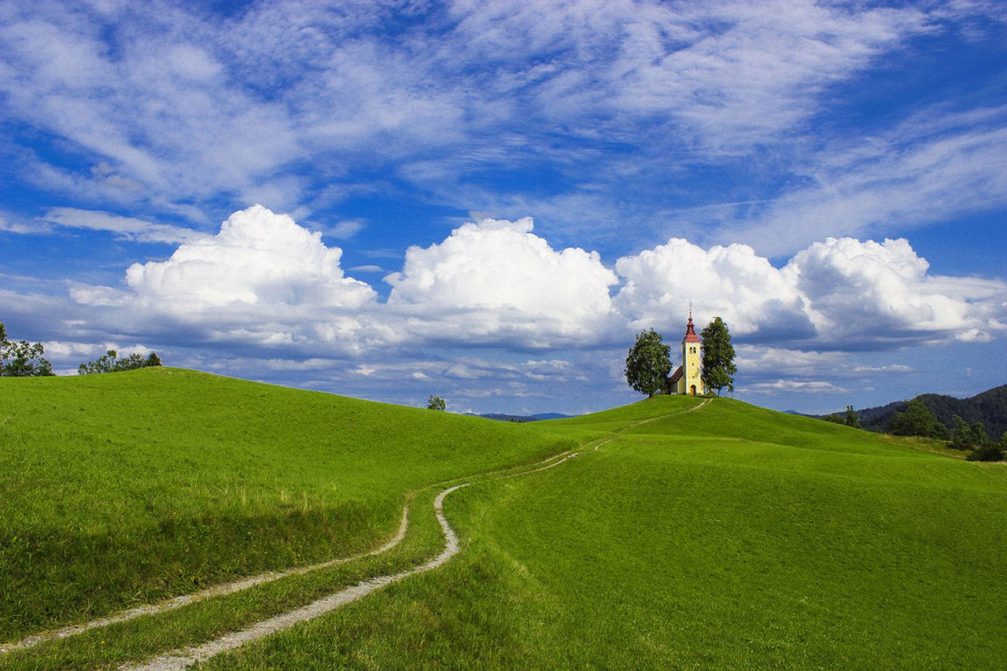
[
  {"x": 692, "y": 535},
  {"x": 129, "y": 487}
]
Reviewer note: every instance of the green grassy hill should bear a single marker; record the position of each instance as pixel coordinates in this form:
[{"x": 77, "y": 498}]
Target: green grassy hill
[
  {"x": 725, "y": 537},
  {"x": 124, "y": 488},
  {"x": 685, "y": 534}
]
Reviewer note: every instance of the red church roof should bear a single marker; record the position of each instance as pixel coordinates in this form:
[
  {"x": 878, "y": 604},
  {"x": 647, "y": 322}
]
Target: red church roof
[{"x": 690, "y": 331}]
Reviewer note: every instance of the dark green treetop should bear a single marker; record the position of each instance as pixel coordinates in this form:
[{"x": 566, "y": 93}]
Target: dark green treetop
[
  {"x": 648, "y": 363},
  {"x": 917, "y": 420},
  {"x": 718, "y": 356},
  {"x": 22, "y": 359}
]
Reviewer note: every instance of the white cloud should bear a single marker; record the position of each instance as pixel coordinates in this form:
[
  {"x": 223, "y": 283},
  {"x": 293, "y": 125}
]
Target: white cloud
[
  {"x": 803, "y": 386},
  {"x": 258, "y": 257},
  {"x": 21, "y": 229},
  {"x": 733, "y": 282},
  {"x": 868, "y": 292},
  {"x": 495, "y": 281},
  {"x": 126, "y": 228},
  {"x": 177, "y": 109},
  {"x": 933, "y": 167},
  {"x": 841, "y": 293},
  {"x": 264, "y": 279},
  {"x": 344, "y": 230},
  {"x": 737, "y": 73},
  {"x": 261, "y": 279}
]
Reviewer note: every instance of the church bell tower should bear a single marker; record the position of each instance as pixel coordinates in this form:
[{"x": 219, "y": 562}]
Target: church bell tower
[{"x": 691, "y": 380}]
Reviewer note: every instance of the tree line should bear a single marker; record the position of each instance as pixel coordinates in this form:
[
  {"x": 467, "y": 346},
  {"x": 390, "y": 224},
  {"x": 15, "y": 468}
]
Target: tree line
[
  {"x": 919, "y": 420},
  {"x": 23, "y": 359}
]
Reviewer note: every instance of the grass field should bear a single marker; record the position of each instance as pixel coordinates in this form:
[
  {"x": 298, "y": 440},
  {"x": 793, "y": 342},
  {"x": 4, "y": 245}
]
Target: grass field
[
  {"x": 713, "y": 536},
  {"x": 807, "y": 546},
  {"x": 126, "y": 488}
]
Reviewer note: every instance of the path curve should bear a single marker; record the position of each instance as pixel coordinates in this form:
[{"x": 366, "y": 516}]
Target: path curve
[
  {"x": 191, "y": 655},
  {"x": 227, "y": 588},
  {"x": 183, "y": 659}
]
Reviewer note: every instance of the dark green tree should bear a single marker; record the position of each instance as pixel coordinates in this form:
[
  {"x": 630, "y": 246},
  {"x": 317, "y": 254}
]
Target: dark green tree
[
  {"x": 851, "y": 418},
  {"x": 718, "y": 356},
  {"x": 21, "y": 358},
  {"x": 917, "y": 420},
  {"x": 106, "y": 363},
  {"x": 648, "y": 363},
  {"x": 436, "y": 403},
  {"x": 109, "y": 362},
  {"x": 967, "y": 436}
]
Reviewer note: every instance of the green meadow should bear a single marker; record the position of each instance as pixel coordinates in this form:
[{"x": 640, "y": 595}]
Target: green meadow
[
  {"x": 125, "y": 488},
  {"x": 684, "y": 534}
]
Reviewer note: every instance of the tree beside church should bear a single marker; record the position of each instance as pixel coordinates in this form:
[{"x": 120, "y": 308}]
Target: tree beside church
[
  {"x": 648, "y": 363},
  {"x": 718, "y": 357}
]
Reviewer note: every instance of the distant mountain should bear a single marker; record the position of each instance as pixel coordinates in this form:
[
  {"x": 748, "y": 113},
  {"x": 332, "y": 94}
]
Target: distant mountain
[
  {"x": 525, "y": 418},
  {"x": 989, "y": 407}
]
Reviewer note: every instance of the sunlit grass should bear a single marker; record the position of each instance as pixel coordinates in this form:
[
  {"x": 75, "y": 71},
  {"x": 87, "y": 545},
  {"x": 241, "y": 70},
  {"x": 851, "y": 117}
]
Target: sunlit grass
[
  {"x": 673, "y": 548},
  {"x": 127, "y": 488}
]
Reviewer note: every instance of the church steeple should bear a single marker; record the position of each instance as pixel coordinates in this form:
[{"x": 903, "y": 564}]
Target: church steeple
[
  {"x": 690, "y": 330},
  {"x": 689, "y": 377}
]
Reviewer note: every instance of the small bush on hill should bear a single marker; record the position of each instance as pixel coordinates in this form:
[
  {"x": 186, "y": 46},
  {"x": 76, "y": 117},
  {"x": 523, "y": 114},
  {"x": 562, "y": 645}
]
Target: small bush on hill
[
  {"x": 111, "y": 363},
  {"x": 436, "y": 403},
  {"x": 989, "y": 451}
]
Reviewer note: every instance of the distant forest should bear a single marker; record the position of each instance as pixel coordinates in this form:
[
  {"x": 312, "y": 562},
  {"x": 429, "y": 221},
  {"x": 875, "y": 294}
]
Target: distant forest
[{"x": 989, "y": 407}]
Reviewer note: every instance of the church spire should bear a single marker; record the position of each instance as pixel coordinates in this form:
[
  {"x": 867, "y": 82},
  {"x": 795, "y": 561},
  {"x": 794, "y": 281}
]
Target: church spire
[{"x": 690, "y": 329}]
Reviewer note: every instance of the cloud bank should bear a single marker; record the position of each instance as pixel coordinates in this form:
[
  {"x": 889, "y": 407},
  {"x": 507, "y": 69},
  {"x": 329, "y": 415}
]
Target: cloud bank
[{"x": 263, "y": 279}]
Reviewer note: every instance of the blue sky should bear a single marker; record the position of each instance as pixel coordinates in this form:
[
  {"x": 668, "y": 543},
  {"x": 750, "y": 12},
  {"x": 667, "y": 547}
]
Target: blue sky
[{"x": 486, "y": 200}]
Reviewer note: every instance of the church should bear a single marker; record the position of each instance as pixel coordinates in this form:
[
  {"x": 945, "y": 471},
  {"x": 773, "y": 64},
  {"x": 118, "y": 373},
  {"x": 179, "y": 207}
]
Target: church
[{"x": 688, "y": 378}]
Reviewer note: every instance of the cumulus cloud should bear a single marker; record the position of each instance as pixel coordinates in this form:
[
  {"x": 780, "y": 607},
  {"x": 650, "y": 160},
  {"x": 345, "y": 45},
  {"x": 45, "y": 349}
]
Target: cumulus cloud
[
  {"x": 841, "y": 293},
  {"x": 495, "y": 281},
  {"x": 869, "y": 292},
  {"x": 262, "y": 278},
  {"x": 258, "y": 257},
  {"x": 733, "y": 282}
]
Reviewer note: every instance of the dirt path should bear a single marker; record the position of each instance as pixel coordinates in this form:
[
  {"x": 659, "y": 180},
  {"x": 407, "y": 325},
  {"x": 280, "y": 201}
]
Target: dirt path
[
  {"x": 670, "y": 414},
  {"x": 183, "y": 659},
  {"x": 224, "y": 588},
  {"x": 208, "y": 593}
]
